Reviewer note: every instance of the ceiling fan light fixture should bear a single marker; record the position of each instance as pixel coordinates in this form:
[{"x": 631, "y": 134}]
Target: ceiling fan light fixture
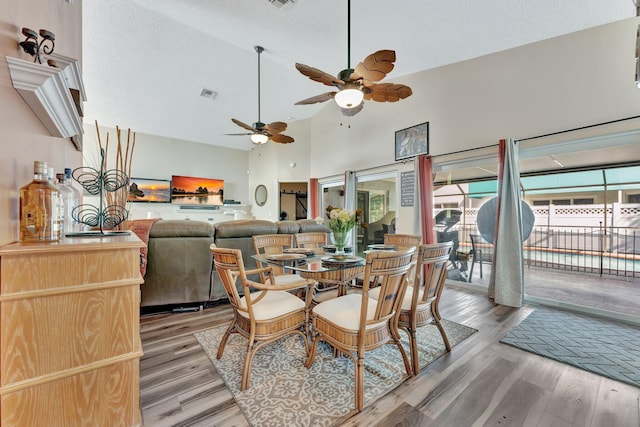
[
  {"x": 259, "y": 138},
  {"x": 349, "y": 97}
]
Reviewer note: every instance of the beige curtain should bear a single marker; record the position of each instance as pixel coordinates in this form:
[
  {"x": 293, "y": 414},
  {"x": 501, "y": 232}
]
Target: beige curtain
[{"x": 506, "y": 285}]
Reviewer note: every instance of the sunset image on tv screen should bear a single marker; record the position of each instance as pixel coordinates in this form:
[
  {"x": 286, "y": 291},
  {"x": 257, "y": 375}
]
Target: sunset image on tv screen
[{"x": 189, "y": 190}]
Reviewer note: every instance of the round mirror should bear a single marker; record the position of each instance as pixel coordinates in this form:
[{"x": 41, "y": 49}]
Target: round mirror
[{"x": 261, "y": 195}]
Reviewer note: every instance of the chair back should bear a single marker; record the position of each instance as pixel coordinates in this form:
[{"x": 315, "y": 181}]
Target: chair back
[
  {"x": 480, "y": 249},
  {"x": 402, "y": 239},
  {"x": 271, "y": 244},
  {"x": 431, "y": 271},
  {"x": 228, "y": 263},
  {"x": 310, "y": 240},
  {"x": 389, "y": 269}
]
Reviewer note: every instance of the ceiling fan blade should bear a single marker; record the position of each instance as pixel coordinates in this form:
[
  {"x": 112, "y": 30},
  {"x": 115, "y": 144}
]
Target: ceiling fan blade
[
  {"x": 376, "y": 66},
  {"x": 318, "y": 98},
  {"x": 238, "y": 134},
  {"x": 387, "y": 92},
  {"x": 244, "y": 125},
  {"x": 281, "y": 139},
  {"x": 319, "y": 75},
  {"x": 349, "y": 112},
  {"x": 276, "y": 127}
]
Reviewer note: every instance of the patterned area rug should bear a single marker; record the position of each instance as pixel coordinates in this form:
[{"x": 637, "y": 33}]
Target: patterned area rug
[
  {"x": 605, "y": 348},
  {"x": 283, "y": 392}
]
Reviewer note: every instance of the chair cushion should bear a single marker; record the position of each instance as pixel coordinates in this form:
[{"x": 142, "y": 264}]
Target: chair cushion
[
  {"x": 274, "y": 304},
  {"x": 406, "y": 302},
  {"x": 345, "y": 311},
  {"x": 287, "y": 279}
]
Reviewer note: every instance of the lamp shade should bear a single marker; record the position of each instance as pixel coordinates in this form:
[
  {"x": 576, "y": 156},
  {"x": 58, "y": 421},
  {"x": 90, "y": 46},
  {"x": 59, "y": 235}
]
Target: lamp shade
[
  {"x": 259, "y": 138},
  {"x": 349, "y": 97}
]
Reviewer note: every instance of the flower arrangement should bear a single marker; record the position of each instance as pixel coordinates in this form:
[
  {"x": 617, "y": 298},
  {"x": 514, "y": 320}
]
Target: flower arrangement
[{"x": 341, "y": 221}]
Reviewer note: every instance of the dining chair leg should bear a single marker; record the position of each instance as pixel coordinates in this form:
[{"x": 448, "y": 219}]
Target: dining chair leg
[
  {"x": 435, "y": 313},
  {"x": 395, "y": 335},
  {"x": 312, "y": 352},
  {"x": 225, "y": 337},
  {"x": 248, "y": 360},
  {"x": 359, "y": 367}
]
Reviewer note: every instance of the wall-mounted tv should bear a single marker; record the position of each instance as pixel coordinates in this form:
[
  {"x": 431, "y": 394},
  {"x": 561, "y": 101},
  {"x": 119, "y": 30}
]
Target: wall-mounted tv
[
  {"x": 189, "y": 190},
  {"x": 149, "y": 190}
]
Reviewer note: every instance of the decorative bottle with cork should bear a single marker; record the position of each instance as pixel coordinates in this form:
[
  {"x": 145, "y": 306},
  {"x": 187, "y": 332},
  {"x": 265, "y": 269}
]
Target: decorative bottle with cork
[{"x": 39, "y": 204}]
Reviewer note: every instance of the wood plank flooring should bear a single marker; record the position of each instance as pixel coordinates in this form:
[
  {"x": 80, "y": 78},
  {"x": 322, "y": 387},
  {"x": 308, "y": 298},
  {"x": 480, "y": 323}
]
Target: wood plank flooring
[{"x": 480, "y": 383}]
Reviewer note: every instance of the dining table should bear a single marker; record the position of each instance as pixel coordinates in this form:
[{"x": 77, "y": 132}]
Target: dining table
[{"x": 323, "y": 267}]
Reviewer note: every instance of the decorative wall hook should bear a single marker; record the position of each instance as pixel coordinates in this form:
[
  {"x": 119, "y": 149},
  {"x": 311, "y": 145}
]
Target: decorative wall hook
[{"x": 32, "y": 46}]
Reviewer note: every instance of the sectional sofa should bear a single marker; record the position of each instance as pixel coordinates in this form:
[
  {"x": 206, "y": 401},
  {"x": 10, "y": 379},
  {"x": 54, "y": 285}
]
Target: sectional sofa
[{"x": 178, "y": 269}]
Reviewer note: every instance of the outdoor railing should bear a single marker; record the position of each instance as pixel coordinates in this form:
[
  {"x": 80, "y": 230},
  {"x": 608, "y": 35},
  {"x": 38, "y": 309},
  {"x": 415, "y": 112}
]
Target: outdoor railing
[{"x": 614, "y": 251}]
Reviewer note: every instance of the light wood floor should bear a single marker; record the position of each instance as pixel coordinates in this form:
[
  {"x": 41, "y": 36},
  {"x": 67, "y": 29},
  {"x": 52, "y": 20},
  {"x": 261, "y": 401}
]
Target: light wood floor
[{"x": 480, "y": 383}]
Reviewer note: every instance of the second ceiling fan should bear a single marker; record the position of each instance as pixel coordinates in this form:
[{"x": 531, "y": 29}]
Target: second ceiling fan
[
  {"x": 261, "y": 133},
  {"x": 356, "y": 85}
]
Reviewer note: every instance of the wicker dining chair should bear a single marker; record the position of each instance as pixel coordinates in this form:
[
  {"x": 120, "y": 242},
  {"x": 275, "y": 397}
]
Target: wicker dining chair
[
  {"x": 310, "y": 240},
  {"x": 420, "y": 306},
  {"x": 263, "y": 316},
  {"x": 355, "y": 323}
]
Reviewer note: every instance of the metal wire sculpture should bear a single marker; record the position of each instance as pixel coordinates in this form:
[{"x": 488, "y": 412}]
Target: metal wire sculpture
[{"x": 96, "y": 182}]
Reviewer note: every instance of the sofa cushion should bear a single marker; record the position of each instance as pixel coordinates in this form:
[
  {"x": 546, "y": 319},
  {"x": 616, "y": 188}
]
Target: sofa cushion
[
  {"x": 288, "y": 227},
  {"x": 244, "y": 228},
  {"x": 311, "y": 226},
  {"x": 181, "y": 228}
]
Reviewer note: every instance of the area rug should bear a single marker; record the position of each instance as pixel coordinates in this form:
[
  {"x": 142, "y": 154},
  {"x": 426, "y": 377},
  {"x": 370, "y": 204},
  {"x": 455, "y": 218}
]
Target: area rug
[
  {"x": 599, "y": 346},
  {"x": 283, "y": 392}
]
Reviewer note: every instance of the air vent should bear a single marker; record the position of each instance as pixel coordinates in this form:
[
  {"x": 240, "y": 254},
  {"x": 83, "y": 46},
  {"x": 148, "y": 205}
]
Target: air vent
[
  {"x": 280, "y": 3},
  {"x": 208, "y": 93}
]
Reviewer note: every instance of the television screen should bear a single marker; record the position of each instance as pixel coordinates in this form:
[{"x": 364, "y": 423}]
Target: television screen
[
  {"x": 149, "y": 190},
  {"x": 189, "y": 190}
]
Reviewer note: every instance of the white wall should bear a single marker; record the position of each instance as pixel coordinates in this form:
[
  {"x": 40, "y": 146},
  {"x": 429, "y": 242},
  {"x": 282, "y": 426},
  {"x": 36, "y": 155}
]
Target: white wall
[
  {"x": 23, "y": 137},
  {"x": 156, "y": 157},
  {"x": 270, "y": 164}
]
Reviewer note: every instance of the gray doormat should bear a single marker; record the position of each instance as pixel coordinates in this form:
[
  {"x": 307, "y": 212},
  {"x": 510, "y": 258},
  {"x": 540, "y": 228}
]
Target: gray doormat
[{"x": 595, "y": 345}]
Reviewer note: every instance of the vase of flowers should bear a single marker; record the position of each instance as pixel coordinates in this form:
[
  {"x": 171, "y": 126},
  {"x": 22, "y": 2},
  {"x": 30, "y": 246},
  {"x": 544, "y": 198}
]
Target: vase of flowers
[{"x": 341, "y": 221}]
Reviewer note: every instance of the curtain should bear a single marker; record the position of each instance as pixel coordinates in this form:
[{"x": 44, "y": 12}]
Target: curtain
[
  {"x": 314, "y": 200},
  {"x": 506, "y": 285},
  {"x": 425, "y": 183},
  {"x": 349, "y": 190}
]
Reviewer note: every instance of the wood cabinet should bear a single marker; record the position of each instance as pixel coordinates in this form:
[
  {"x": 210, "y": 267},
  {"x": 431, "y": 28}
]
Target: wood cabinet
[{"x": 70, "y": 332}]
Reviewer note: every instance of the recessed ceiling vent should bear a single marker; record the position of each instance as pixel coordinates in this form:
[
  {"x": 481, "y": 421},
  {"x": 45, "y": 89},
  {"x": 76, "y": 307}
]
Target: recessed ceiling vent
[
  {"x": 280, "y": 3},
  {"x": 208, "y": 93}
]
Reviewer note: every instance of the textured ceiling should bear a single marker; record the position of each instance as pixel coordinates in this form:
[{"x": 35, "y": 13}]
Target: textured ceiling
[{"x": 145, "y": 62}]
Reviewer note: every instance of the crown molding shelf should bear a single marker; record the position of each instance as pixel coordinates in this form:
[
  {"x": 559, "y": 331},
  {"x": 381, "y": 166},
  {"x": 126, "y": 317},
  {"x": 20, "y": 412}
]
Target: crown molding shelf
[{"x": 48, "y": 92}]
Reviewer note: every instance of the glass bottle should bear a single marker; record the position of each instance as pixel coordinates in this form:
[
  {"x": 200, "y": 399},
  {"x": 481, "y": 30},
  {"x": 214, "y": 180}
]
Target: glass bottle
[
  {"x": 71, "y": 200},
  {"x": 39, "y": 202},
  {"x": 59, "y": 205}
]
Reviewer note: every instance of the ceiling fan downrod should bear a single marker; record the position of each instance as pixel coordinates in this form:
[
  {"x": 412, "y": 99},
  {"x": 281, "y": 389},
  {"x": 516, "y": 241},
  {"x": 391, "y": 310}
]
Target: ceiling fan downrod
[{"x": 259, "y": 124}]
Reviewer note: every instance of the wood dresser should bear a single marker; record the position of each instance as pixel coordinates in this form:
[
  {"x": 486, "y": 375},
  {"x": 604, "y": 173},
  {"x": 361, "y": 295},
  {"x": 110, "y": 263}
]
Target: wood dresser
[{"x": 70, "y": 332}]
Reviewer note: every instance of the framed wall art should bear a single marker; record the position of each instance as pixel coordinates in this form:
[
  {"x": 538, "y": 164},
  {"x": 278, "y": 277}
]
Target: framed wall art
[
  {"x": 412, "y": 141},
  {"x": 149, "y": 190}
]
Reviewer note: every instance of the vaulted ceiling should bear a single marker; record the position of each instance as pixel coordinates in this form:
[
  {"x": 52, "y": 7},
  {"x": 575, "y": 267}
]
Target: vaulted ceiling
[{"x": 146, "y": 62}]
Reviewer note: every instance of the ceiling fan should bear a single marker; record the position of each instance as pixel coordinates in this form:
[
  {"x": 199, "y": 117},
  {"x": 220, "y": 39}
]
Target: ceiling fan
[
  {"x": 356, "y": 85},
  {"x": 260, "y": 132}
]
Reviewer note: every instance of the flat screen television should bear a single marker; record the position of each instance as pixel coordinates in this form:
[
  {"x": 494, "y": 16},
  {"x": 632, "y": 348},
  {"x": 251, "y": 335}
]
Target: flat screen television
[
  {"x": 189, "y": 190},
  {"x": 149, "y": 190}
]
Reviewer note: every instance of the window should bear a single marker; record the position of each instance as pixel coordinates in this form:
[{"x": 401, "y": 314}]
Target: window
[
  {"x": 584, "y": 201},
  {"x": 633, "y": 198}
]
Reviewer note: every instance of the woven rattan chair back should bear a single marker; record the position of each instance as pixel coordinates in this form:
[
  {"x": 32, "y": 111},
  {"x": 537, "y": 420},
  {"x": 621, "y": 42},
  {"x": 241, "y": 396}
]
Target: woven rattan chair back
[
  {"x": 310, "y": 240},
  {"x": 271, "y": 244},
  {"x": 402, "y": 239}
]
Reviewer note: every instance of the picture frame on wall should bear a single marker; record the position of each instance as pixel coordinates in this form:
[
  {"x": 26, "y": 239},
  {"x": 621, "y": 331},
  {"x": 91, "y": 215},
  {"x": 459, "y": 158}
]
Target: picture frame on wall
[{"x": 412, "y": 141}]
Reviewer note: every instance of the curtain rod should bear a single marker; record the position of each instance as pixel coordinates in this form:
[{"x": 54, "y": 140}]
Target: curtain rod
[{"x": 579, "y": 128}]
